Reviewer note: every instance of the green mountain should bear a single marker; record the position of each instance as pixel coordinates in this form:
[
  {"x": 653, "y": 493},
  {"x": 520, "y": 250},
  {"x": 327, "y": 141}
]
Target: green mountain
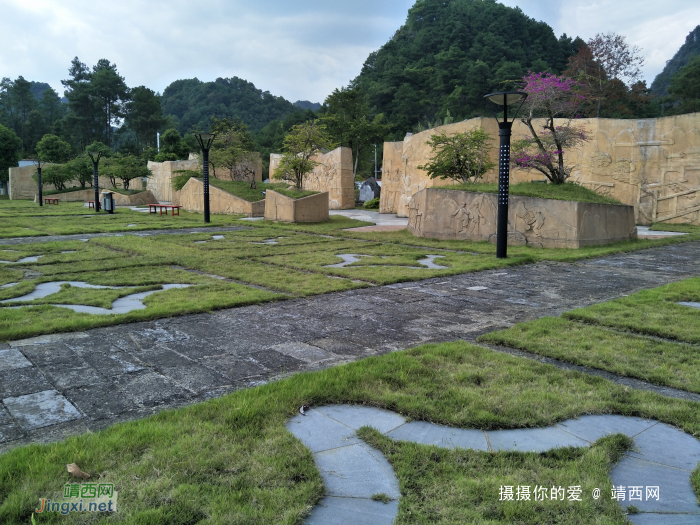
[
  {"x": 193, "y": 103},
  {"x": 450, "y": 53},
  {"x": 690, "y": 48}
]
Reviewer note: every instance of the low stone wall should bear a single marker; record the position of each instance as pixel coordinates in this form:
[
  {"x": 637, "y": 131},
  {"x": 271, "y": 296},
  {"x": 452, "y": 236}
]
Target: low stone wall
[
  {"x": 547, "y": 223},
  {"x": 191, "y": 198},
  {"x": 313, "y": 208},
  {"x": 137, "y": 199},
  {"x": 651, "y": 164},
  {"x": 333, "y": 175}
]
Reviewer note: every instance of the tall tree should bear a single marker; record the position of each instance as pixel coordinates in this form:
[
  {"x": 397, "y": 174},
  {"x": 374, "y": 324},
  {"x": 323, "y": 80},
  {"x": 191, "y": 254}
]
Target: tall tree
[
  {"x": 111, "y": 93},
  {"x": 51, "y": 107},
  {"x": 23, "y": 102},
  {"x": 82, "y": 116},
  {"x": 10, "y": 144},
  {"x": 346, "y": 115},
  {"x": 144, "y": 115},
  {"x": 607, "y": 66},
  {"x": 302, "y": 143}
]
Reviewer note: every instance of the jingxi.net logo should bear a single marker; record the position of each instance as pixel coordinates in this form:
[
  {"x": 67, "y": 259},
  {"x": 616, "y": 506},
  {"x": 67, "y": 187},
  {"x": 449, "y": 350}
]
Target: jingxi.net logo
[{"x": 82, "y": 497}]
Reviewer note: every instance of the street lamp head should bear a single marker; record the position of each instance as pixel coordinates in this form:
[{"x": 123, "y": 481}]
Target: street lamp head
[
  {"x": 505, "y": 99},
  {"x": 205, "y": 140}
]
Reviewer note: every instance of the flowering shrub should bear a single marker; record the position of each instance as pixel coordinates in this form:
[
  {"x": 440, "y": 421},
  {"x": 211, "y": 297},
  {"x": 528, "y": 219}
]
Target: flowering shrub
[{"x": 550, "y": 97}]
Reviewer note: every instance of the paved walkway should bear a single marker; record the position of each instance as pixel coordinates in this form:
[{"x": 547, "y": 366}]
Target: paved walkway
[
  {"x": 353, "y": 471},
  {"x": 55, "y": 386}
]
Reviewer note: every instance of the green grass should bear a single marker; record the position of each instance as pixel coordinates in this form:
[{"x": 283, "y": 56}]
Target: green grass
[
  {"x": 230, "y": 460},
  {"x": 296, "y": 194},
  {"x": 462, "y": 486},
  {"x": 651, "y": 312},
  {"x": 681, "y": 228},
  {"x": 659, "y": 362},
  {"x": 243, "y": 190},
  {"x": 561, "y": 192}
]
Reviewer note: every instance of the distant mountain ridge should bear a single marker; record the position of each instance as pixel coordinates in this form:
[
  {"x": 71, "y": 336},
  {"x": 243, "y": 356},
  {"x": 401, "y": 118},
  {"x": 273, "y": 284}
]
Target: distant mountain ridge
[
  {"x": 193, "y": 103},
  {"x": 690, "y": 48}
]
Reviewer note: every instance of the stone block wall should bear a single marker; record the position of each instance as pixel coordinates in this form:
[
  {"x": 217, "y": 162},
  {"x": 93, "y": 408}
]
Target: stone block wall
[
  {"x": 548, "y": 223},
  {"x": 333, "y": 175},
  {"x": 160, "y": 183},
  {"x": 313, "y": 208},
  {"x": 23, "y": 186},
  {"x": 191, "y": 198},
  {"x": 650, "y": 164}
]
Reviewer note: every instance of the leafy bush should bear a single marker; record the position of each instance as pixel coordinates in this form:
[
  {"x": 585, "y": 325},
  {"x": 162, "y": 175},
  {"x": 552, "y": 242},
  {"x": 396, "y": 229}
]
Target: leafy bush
[{"x": 372, "y": 204}]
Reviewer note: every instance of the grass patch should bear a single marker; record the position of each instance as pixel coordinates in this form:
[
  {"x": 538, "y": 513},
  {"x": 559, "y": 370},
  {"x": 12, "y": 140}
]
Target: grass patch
[
  {"x": 296, "y": 194},
  {"x": 662, "y": 363},
  {"x": 463, "y": 486},
  {"x": 252, "y": 471},
  {"x": 568, "y": 191},
  {"x": 651, "y": 312},
  {"x": 243, "y": 190},
  {"x": 680, "y": 228}
]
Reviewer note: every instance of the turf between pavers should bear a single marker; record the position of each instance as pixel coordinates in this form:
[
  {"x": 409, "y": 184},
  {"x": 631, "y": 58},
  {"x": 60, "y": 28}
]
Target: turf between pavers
[
  {"x": 266, "y": 261},
  {"x": 611, "y": 336},
  {"x": 231, "y": 461}
]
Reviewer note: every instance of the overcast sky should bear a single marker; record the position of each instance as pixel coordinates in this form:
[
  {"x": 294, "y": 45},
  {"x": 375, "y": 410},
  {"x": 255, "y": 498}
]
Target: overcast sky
[{"x": 300, "y": 50}]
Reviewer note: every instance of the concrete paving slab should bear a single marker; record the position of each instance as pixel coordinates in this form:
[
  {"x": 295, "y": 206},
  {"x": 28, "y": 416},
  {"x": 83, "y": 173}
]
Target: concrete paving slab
[
  {"x": 667, "y": 445},
  {"x": 441, "y": 436},
  {"x": 41, "y": 409},
  {"x": 356, "y": 416},
  {"x": 592, "y": 428},
  {"x": 675, "y": 492},
  {"x": 352, "y": 511},
  {"x": 303, "y": 352},
  {"x": 357, "y": 471},
  {"x": 63, "y": 377},
  {"x": 691, "y": 304},
  {"x": 21, "y": 381},
  {"x": 664, "y": 519},
  {"x": 533, "y": 439},
  {"x": 12, "y": 359},
  {"x": 319, "y": 432}
]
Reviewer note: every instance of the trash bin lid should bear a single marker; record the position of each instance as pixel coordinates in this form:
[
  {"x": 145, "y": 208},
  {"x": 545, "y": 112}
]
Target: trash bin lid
[{"x": 107, "y": 192}]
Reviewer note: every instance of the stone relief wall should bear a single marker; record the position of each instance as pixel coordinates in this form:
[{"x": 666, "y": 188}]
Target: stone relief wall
[
  {"x": 650, "y": 164},
  {"x": 461, "y": 215},
  {"x": 313, "y": 208},
  {"x": 333, "y": 175}
]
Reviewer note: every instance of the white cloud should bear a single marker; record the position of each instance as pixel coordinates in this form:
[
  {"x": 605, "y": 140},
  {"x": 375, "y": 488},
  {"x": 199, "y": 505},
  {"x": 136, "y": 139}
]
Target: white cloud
[{"x": 300, "y": 50}]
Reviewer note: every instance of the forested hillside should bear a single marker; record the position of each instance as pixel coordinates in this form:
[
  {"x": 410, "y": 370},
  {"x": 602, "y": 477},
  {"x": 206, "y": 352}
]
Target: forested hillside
[
  {"x": 683, "y": 56},
  {"x": 193, "y": 103},
  {"x": 449, "y": 54}
]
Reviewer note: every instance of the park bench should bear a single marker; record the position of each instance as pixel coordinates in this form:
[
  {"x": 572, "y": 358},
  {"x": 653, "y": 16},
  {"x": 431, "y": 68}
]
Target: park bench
[
  {"x": 91, "y": 204},
  {"x": 49, "y": 200},
  {"x": 152, "y": 208}
]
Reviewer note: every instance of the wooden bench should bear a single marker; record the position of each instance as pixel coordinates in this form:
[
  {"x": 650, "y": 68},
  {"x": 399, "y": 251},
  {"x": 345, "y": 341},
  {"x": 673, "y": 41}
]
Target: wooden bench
[
  {"x": 152, "y": 208},
  {"x": 91, "y": 204},
  {"x": 50, "y": 200}
]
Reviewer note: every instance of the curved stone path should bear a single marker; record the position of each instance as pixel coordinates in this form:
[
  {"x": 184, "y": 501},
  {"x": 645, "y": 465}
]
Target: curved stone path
[{"x": 352, "y": 471}]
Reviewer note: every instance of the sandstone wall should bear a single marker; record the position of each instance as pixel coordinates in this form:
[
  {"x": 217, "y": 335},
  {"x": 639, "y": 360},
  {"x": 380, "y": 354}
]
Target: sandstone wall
[
  {"x": 313, "y": 208},
  {"x": 159, "y": 183},
  {"x": 333, "y": 175},
  {"x": 23, "y": 186},
  {"x": 650, "y": 164},
  {"x": 191, "y": 198},
  {"x": 461, "y": 215}
]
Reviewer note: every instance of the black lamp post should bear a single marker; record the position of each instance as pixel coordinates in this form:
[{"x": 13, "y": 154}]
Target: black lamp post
[
  {"x": 95, "y": 158},
  {"x": 505, "y": 99},
  {"x": 38, "y": 179},
  {"x": 205, "y": 140}
]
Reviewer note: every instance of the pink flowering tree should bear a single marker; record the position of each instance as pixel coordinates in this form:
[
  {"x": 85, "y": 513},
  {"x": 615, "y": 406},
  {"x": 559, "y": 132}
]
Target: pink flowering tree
[{"x": 555, "y": 101}]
